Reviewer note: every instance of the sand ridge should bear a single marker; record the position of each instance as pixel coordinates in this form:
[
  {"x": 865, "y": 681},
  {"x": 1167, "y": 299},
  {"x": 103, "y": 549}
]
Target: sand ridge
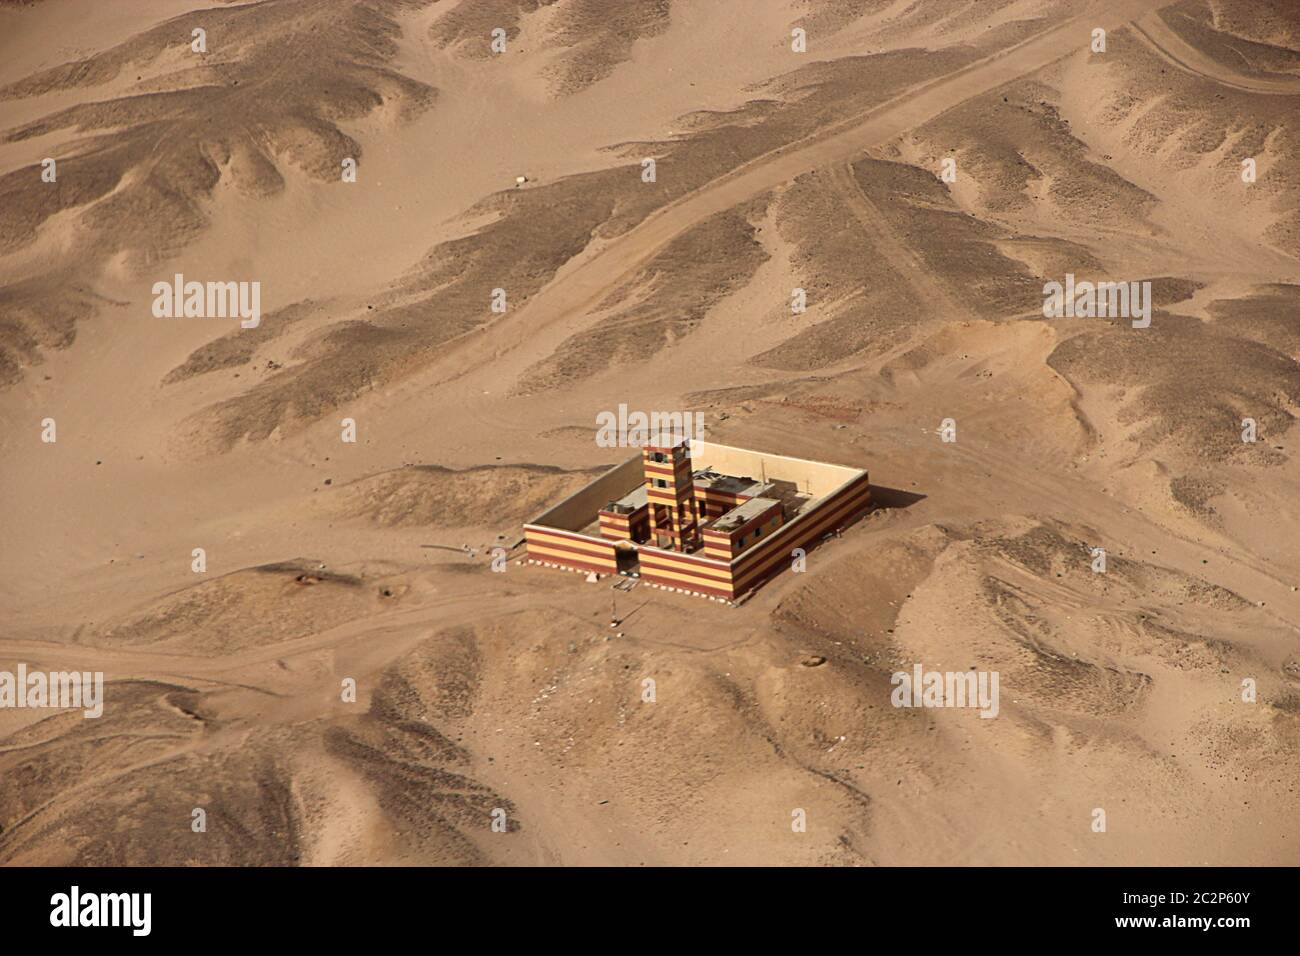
[{"x": 484, "y": 694}]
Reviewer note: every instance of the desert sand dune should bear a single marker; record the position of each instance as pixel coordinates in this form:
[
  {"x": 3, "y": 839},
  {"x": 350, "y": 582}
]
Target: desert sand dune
[
  {"x": 488, "y": 689},
  {"x": 1169, "y": 45}
]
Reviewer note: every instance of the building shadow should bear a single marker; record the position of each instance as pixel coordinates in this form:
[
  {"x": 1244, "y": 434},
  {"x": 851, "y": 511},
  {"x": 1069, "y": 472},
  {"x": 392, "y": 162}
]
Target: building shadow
[{"x": 882, "y": 497}]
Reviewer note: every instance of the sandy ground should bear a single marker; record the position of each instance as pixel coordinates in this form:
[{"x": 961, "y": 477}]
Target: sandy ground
[{"x": 484, "y": 695}]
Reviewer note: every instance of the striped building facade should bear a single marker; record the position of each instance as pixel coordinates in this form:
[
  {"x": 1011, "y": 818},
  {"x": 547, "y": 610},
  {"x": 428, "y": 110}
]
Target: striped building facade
[
  {"x": 720, "y": 540},
  {"x": 670, "y": 493},
  {"x": 570, "y": 550}
]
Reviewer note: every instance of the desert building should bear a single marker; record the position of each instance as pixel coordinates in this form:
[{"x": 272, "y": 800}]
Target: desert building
[{"x": 699, "y": 517}]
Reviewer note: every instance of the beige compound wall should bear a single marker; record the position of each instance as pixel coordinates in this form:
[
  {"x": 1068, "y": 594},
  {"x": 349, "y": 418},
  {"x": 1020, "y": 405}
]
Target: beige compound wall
[
  {"x": 813, "y": 477},
  {"x": 580, "y": 509}
]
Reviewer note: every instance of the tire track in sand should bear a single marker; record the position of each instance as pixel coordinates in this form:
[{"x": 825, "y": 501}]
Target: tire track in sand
[
  {"x": 928, "y": 287},
  {"x": 1156, "y": 35},
  {"x": 562, "y": 308}
]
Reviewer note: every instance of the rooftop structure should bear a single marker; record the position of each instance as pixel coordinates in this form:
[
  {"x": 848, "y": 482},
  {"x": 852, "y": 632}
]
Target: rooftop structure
[
  {"x": 634, "y": 500},
  {"x": 719, "y": 529},
  {"x": 742, "y": 513},
  {"x": 727, "y": 484}
]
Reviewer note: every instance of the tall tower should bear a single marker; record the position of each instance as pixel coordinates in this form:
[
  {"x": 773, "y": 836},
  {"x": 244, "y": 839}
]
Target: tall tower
[{"x": 670, "y": 493}]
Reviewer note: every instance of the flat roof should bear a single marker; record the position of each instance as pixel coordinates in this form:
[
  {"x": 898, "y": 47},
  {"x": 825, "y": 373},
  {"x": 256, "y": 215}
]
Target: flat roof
[
  {"x": 730, "y": 484},
  {"x": 743, "y": 512},
  {"x": 634, "y": 499}
]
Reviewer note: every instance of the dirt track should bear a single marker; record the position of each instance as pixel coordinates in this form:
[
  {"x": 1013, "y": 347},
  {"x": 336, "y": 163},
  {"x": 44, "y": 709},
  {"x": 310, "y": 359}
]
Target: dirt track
[
  {"x": 1120, "y": 689},
  {"x": 561, "y": 309},
  {"x": 1157, "y": 36}
]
